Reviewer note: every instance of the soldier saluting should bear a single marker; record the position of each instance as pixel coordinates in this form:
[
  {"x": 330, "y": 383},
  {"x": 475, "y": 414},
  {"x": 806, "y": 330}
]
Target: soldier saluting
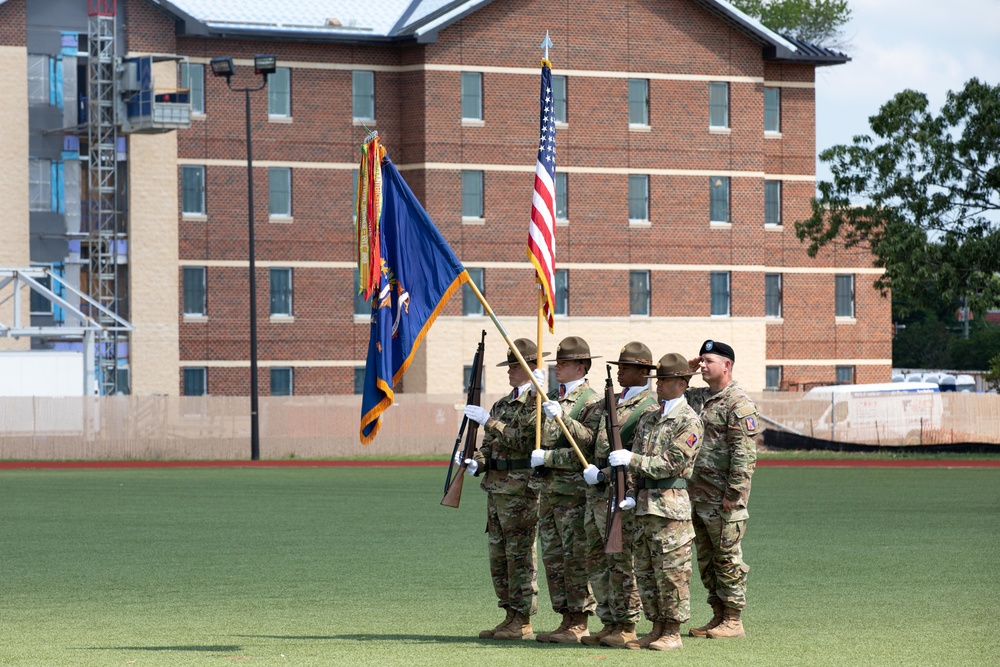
[{"x": 720, "y": 487}]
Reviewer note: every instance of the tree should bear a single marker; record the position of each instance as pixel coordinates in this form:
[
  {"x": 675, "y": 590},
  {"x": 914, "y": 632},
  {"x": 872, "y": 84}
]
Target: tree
[
  {"x": 923, "y": 195},
  {"x": 816, "y": 21}
]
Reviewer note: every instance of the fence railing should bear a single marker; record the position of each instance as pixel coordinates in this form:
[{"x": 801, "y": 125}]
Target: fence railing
[{"x": 218, "y": 427}]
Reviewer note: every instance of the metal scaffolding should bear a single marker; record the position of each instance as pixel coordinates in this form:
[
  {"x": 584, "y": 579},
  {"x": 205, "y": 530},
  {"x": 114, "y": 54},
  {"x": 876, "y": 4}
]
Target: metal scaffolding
[{"x": 105, "y": 229}]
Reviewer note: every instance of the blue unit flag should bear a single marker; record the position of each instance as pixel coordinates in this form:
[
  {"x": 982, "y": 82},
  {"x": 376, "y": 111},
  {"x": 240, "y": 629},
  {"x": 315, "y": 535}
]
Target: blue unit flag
[{"x": 418, "y": 274}]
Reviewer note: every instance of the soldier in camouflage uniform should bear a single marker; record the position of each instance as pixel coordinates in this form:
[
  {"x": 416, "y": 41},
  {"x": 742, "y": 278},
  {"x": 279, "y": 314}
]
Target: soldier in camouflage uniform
[
  {"x": 611, "y": 575},
  {"x": 720, "y": 487},
  {"x": 563, "y": 495},
  {"x": 511, "y": 504},
  {"x": 665, "y": 447}
]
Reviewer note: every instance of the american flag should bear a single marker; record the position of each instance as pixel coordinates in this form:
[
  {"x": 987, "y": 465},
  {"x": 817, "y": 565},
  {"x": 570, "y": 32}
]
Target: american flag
[{"x": 541, "y": 231}]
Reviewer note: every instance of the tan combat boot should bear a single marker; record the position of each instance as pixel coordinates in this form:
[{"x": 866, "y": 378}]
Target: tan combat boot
[
  {"x": 489, "y": 634},
  {"x": 544, "y": 636},
  {"x": 518, "y": 628},
  {"x": 717, "y": 609},
  {"x": 669, "y": 640},
  {"x": 731, "y": 626},
  {"x": 624, "y": 635},
  {"x": 576, "y": 630},
  {"x": 653, "y": 635},
  {"x": 595, "y": 639}
]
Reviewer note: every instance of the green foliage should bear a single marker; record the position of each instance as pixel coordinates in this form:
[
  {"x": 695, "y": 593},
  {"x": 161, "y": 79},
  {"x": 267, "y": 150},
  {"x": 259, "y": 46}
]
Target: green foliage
[
  {"x": 975, "y": 353},
  {"x": 922, "y": 345},
  {"x": 993, "y": 376},
  {"x": 923, "y": 194},
  {"x": 816, "y": 21}
]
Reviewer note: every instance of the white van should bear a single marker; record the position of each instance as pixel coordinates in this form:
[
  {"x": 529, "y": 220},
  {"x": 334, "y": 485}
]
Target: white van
[{"x": 883, "y": 413}]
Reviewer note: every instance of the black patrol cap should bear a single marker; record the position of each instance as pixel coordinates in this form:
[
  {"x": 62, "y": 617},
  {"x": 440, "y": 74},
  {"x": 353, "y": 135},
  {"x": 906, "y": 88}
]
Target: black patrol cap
[{"x": 715, "y": 347}]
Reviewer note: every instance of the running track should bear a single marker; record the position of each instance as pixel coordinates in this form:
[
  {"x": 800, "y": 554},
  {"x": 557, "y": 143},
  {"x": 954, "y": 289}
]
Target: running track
[{"x": 286, "y": 463}]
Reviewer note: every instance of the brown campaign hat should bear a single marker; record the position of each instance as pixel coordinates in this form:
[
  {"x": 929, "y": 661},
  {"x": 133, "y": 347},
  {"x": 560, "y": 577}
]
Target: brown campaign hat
[
  {"x": 528, "y": 350},
  {"x": 635, "y": 353},
  {"x": 673, "y": 365},
  {"x": 573, "y": 347}
]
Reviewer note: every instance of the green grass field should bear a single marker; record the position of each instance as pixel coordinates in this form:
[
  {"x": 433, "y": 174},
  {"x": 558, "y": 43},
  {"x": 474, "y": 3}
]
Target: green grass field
[{"x": 362, "y": 566}]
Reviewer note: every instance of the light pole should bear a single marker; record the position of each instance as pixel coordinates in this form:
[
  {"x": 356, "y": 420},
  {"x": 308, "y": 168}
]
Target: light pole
[{"x": 262, "y": 65}]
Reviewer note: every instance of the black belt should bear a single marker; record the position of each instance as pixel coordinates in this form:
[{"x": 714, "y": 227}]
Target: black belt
[
  {"x": 665, "y": 483},
  {"x": 508, "y": 464}
]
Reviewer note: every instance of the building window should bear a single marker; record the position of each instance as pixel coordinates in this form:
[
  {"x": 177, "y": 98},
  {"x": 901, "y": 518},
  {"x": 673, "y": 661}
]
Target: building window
[
  {"x": 772, "y": 378},
  {"x": 39, "y": 303},
  {"x": 361, "y": 306},
  {"x": 40, "y": 185},
  {"x": 562, "y": 211},
  {"x": 470, "y": 304},
  {"x": 638, "y": 102},
  {"x": 472, "y": 96},
  {"x": 561, "y": 297},
  {"x": 281, "y": 382},
  {"x": 472, "y": 194},
  {"x": 772, "y": 109},
  {"x": 845, "y": 295},
  {"x": 720, "y": 293},
  {"x": 193, "y": 78},
  {"x": 718, "y": 104},
  {"x": 194, "y": 290},
  {"x": 772, "y": 203},
  {"x": 772, "y": 295},
  {"x": 467, "y": 376},
  {"x": 559, "y": 98},
  {"x": 359, "y": 379},
  {"x": 638, "y": 197},
  {"x": 845, "y": 374},
  {"x": 363, "y": 91},
  {"x": 38, "y": 79},
  {"x": 354, "y": 193},
  {"x": 279, "y": 192},
  {"x": 193, "y": 190},
  {"x": 195, "y": 383},
  {"x": 719, "y": 199},
  {"x": 279, "y": 92},
  {"x": 638, "y": 292},
  {"x": 281, "y": 292}
]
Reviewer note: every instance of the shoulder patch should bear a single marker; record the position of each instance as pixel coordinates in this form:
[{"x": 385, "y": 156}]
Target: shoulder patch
[
  {"x": 692, "y": 439},
  {"x": 751, "y": 423}
]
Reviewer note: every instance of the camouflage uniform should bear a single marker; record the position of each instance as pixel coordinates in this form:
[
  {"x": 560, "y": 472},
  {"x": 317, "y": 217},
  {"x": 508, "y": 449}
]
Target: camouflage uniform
[
  {"x": 611, "y": 575},
  {"x": 511, "y": 504},
  {"x": 666, "y": 446},
  {"x": 723, "y": 469},
  {"x": 563, "y": 501}
]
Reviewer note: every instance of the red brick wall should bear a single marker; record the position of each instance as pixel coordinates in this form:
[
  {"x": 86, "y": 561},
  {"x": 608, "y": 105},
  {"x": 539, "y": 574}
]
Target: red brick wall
[
  {"x": 149, "y": 29},
  {"x": 418, "y": 117},
  {"x": 13, "y": 23}
]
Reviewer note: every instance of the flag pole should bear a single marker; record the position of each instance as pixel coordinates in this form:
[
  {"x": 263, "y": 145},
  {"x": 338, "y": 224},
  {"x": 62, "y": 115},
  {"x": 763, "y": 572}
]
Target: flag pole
[
  {"x": 538, "y": 394},
  {"x": 524, "y": 364}
]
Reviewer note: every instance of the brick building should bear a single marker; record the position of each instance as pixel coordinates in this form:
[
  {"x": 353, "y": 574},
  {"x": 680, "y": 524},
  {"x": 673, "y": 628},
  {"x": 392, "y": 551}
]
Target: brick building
[{"x": 686, "y": 151}]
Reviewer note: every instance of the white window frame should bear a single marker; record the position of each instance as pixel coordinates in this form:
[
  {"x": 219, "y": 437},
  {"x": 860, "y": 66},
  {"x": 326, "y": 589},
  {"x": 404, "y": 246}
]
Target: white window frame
[
  {"x": 287, "y": 312},
  {"x": 723, "y": 184},
  {"x": 279, "y": 93},
  {"x": 638, "y": 191},
  {"x": 636, "y": 309},
  {"x": 279, "y": 182},
  {"x": 201, "y": 309},
  {"x": 716, "y": 108},
  {"x": 727, "y": 295},
  {"x": 772, "y": 203},
  {"x": 193, "y": 169},
  {"x": 291, "y": 379},
  {"x": 638, "y": 110},
  {"x": 472, "y": 96},
  {"x": 363, "y": 95},
  {"x": 204, "y": 379},
  {"x": 192, "y": 77},
  {"x": 842, "y": 281},
  {"x": 473, "y": 194},
  {"x": 767, "y": 293},
  {"x": 775, "y": 111},
  {"x": 471, "y": 306}
]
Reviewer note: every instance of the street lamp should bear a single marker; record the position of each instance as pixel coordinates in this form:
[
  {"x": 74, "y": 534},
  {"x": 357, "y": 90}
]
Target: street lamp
[{"x": 263, "y": 65}]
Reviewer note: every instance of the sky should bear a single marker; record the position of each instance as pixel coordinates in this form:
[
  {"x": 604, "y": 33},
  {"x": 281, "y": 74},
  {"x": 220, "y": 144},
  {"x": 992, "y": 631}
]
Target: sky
[{"x": 931, "y": 46}]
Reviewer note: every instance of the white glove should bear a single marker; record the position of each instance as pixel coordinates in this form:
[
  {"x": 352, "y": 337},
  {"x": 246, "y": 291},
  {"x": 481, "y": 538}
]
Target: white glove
[
  {"x": 628, "y": 503},
  {"x": 471, "y": 467},
  {"x": 552, "y": 408},
  {"x": 458, "y": 458},
  {"x": 537, "y": 458},
  {"x": 477, "y": 413},
  {"x": 590, "y": 474},
  {"x": 620, "y": 457},
  {"x": 540, "y": 375}
]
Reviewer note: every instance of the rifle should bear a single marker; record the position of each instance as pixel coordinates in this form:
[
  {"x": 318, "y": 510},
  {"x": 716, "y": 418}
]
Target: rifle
[
  {"x": 453, "y": 485},
  {"x": 616, "y": 487}
]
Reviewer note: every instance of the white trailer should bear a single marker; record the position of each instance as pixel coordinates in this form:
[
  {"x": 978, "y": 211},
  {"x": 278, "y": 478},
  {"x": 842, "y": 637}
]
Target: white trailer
[{"x": 877, "y": 413}]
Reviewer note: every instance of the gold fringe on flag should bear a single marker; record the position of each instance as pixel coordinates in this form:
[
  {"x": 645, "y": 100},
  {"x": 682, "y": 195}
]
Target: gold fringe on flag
[{"x": 369, "y": 214}]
